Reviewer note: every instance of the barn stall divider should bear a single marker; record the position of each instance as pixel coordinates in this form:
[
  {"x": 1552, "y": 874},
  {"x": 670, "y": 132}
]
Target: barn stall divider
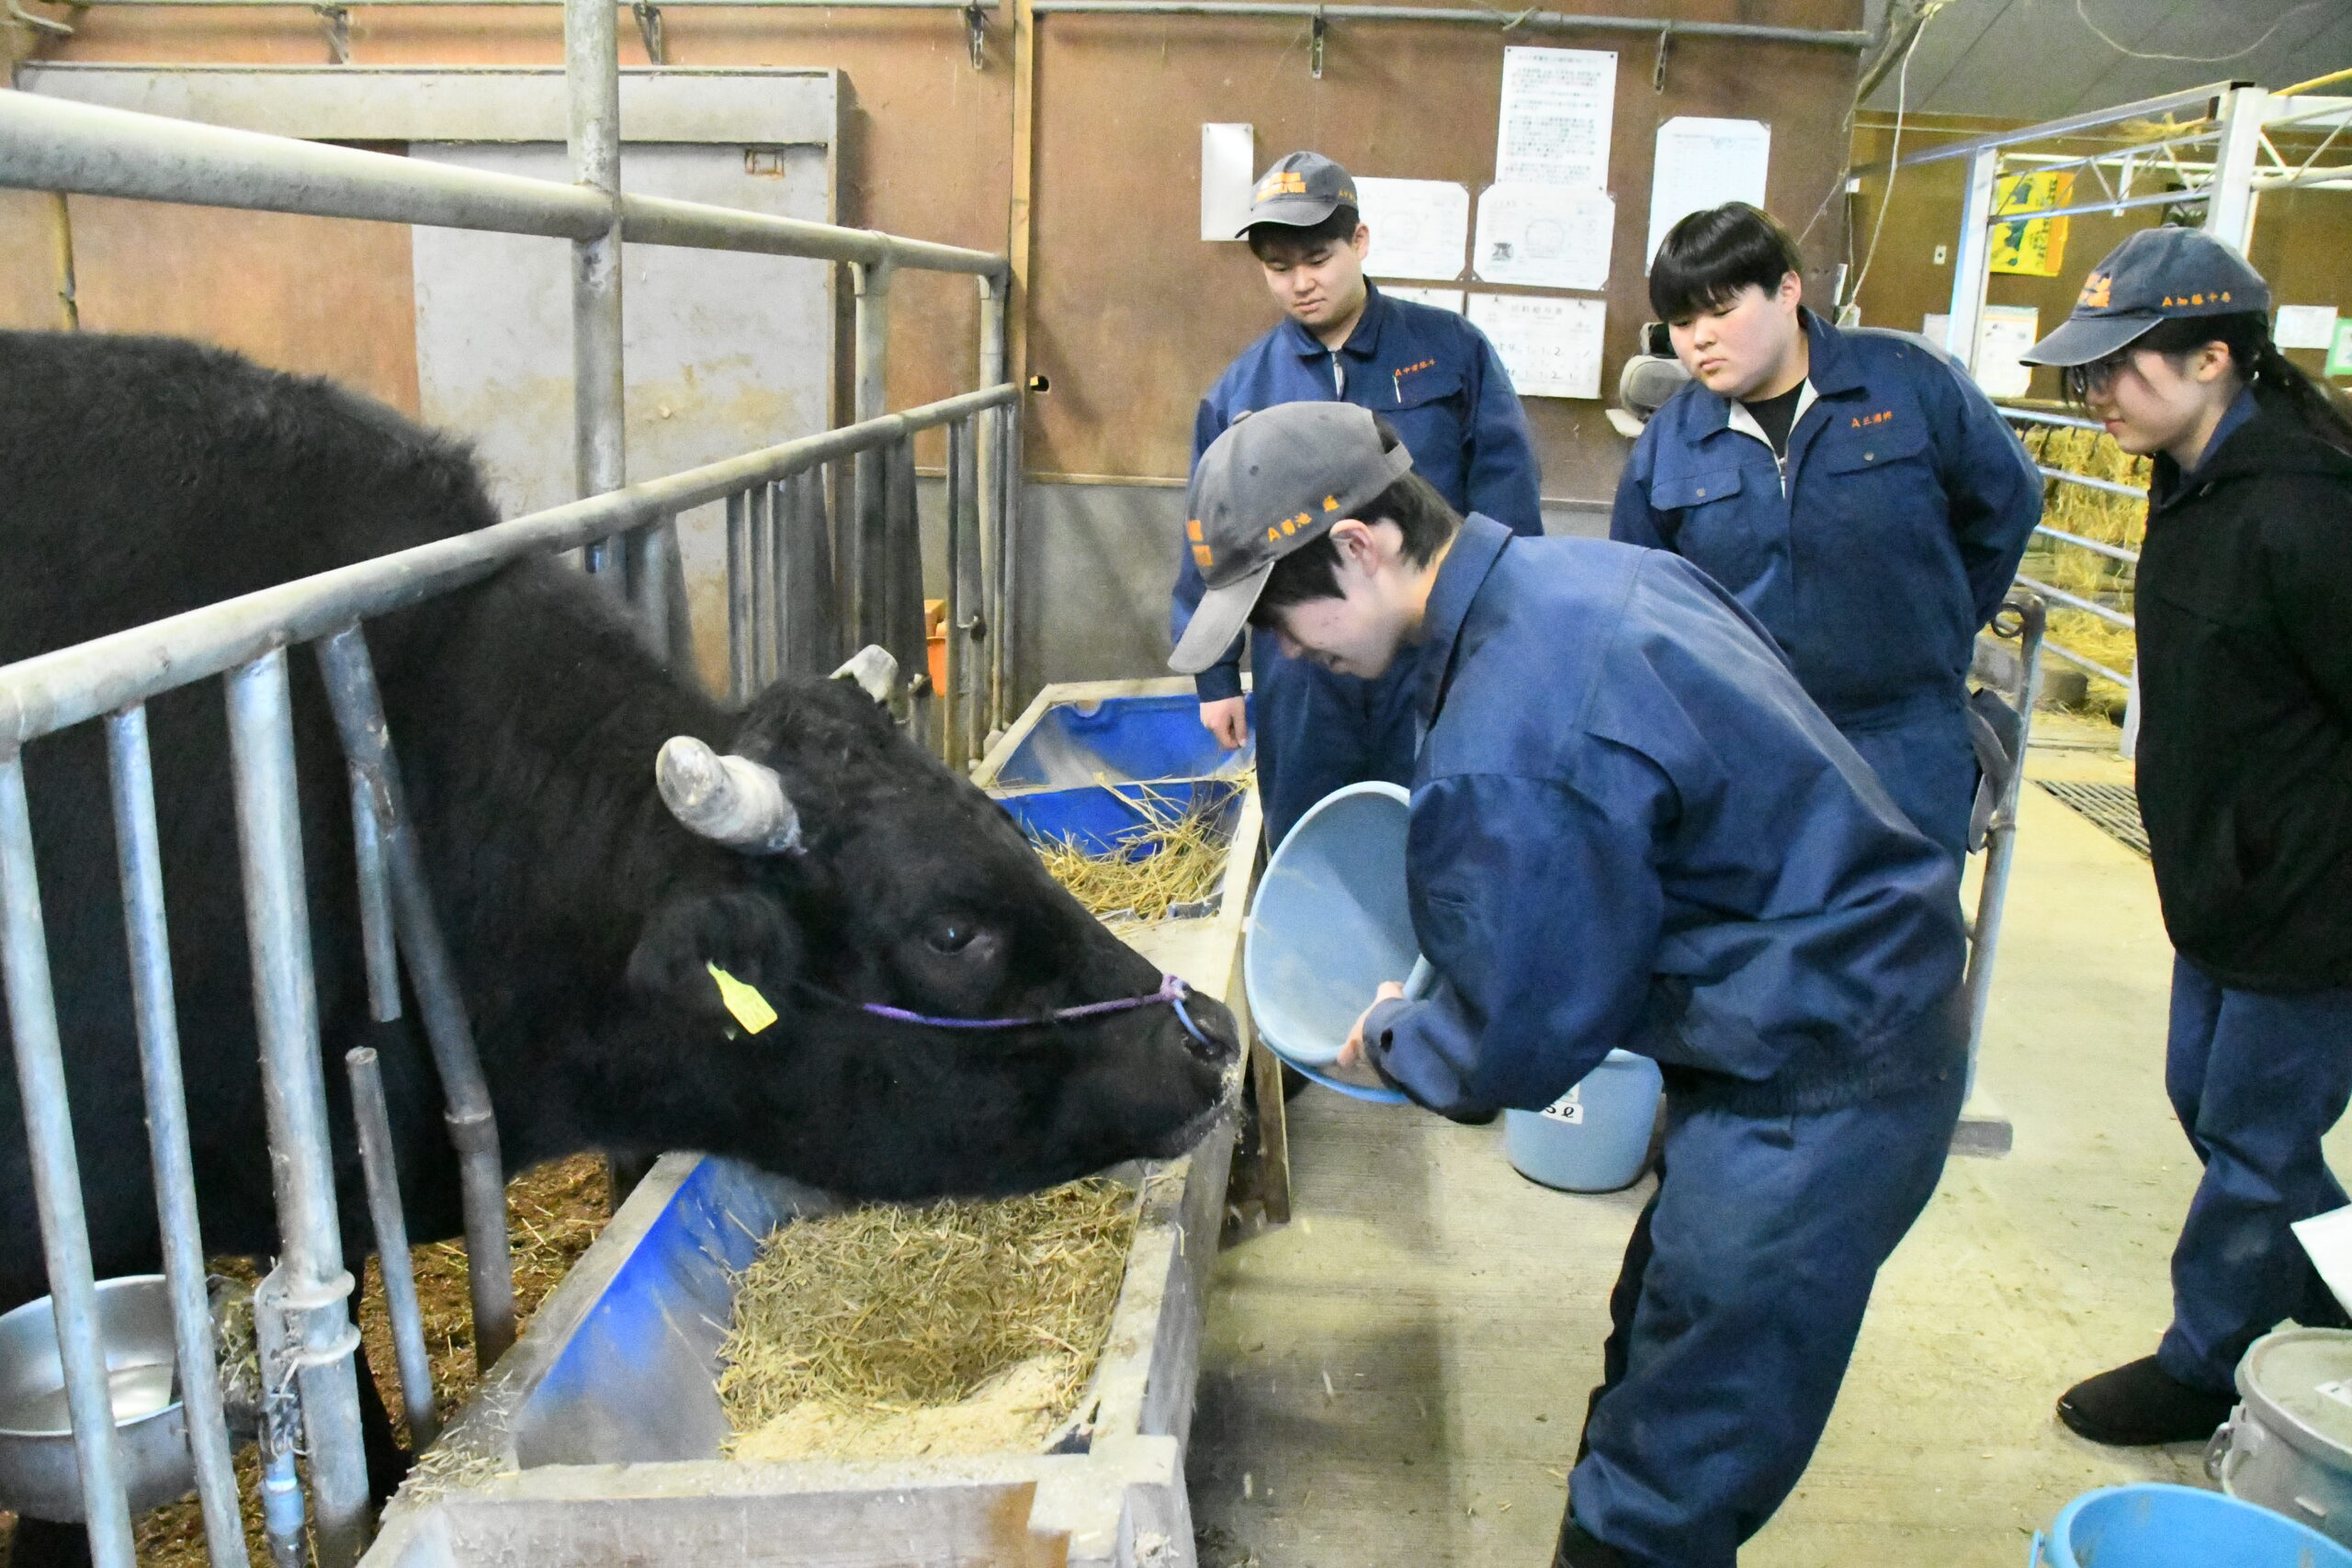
[{"x": 775, "y": 503}]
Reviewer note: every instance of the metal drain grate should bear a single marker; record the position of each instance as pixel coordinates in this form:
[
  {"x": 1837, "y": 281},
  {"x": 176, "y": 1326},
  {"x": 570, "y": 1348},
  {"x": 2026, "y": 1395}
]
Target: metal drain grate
[{"x": 2115, "y": 808}]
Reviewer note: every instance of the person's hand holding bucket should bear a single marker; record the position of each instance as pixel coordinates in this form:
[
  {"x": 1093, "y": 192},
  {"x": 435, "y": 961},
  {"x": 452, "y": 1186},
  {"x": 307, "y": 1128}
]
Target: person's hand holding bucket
[{"x": 1352, "y": 1066}]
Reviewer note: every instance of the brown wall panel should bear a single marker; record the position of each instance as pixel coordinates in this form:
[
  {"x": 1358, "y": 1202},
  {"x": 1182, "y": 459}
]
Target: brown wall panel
[{"x": 1130, "y": 314}]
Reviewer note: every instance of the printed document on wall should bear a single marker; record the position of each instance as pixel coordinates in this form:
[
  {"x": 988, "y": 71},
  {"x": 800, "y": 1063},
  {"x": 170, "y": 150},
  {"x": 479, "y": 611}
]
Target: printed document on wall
[
  {"x": 1443, "y": 298},
  {"x": 1557, "y": 108},
  {"x": 1419, "y": 228},
  {"x": 1551, "y": 347},
  {"x": 1545, "y": 236},
  {"x": 1702, "y": 164}
]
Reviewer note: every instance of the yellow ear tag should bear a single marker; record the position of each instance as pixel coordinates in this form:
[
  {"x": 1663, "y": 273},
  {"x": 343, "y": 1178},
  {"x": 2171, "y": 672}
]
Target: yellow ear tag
[{"x": 749, "y": 1007}]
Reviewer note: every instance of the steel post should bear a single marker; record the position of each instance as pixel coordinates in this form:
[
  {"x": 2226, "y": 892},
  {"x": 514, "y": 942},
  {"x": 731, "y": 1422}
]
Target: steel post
[
  {"x": 1972, "y": 259},
  {"x": 765, "y": 617},
  {"x": 261, "y": 736},
  {"x": 1008, "y": 571},
  {"x": 377, "y": 941},
  {"x": 953, "y": 741},
  {"x": 592, "y": 78},
  {"x": 2000, "y": 838},
  {"x": 138, "y": 851},
  {"x": 870, "y": 551},
  {"x": 742, "y": 667},
  {"x": 373, "y": 1120},
  {"x": 56, "y": 1181},
  {"x": 472, "y": 1123},
  {"x": 2230, "y": 199}
]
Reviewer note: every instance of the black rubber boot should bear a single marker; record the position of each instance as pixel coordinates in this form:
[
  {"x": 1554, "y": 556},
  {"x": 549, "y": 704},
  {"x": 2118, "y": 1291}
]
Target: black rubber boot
[
  {"x": 2140, "y": 1404},
  {"x": 1578, "y": 1548}
]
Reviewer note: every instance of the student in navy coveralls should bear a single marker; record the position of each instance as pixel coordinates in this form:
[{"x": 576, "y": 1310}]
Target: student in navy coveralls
[
  {"x": 1853, "y": 488},
  {"x": 1630, "y": 827},
  {"x": 1437, "y": 380},
  {"x": 2245, "y": 785}
]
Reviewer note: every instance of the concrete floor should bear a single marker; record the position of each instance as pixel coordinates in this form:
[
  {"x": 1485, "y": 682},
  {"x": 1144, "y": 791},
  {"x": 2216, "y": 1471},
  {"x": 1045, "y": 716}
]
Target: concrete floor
[{"x": 1398, "y": 1377}]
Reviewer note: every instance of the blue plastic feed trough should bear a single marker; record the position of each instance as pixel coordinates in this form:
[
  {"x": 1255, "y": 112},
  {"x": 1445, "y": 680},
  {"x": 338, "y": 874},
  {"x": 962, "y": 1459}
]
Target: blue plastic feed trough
[
  {"x": 2155, "y": 1526},
  {"x": 1096, "y": 773},
  {"x": 1328, "y": 926}
]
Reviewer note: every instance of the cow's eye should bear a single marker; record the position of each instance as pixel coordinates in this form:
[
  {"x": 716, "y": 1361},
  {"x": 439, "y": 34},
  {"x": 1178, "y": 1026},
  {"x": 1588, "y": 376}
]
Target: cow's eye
[{"x": 950, "y": 935}]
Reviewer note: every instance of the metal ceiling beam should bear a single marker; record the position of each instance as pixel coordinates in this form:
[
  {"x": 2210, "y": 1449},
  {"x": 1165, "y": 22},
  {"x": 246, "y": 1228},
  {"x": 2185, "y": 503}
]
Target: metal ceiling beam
[{"x": 2088, "y": 120}]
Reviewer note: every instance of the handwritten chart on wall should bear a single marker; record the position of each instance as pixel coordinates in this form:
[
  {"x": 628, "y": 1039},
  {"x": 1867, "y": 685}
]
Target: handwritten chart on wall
[
  {"x": 1419, "y": 228},
  {"x": 1550, "y": 345},
  {"x": 1702, "y": 163},
  {"x": 1545, "y": 236}
]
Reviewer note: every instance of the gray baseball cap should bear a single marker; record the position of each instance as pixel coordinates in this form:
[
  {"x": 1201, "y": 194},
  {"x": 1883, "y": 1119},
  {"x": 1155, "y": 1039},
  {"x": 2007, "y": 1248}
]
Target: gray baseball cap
[
  {"x": 2155, "y": 275},
  {"x": 1276, "y": 480},
  {"x": 1301, "y": 190}
]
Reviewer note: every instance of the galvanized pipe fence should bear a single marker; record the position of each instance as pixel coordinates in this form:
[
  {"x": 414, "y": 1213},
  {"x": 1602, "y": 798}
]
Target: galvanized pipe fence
[
  {"x": 793, "y": 608},
  {"x": 2118, "y": 553}
]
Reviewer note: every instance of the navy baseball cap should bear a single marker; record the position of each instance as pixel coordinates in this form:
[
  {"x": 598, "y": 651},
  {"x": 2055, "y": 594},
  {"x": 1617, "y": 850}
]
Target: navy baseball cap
[
  {"x": 1275, "y": 481},
  {"x": 2157, "y": 274},
  {"x": 1301, "y": 190}
]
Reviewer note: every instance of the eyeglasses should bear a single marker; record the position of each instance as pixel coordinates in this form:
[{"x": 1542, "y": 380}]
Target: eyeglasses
[{"x": 2093, "y": 379}]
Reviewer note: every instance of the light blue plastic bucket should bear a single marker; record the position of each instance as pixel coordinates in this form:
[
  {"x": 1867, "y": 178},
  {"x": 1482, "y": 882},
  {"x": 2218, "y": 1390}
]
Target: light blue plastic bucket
[
  {"x": 1327, "y": 925},
  {"x": 1596, "y": 1137},
  {"x": 2149, "y": 1525}
]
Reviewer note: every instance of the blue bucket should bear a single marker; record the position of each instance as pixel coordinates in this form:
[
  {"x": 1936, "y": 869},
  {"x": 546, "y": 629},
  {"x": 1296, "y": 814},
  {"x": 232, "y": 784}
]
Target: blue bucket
[
  {"x": 2149, "y": 1525},
  {"x": 1596, "y": 1137},
  {"x": 1327, "y": 925}
]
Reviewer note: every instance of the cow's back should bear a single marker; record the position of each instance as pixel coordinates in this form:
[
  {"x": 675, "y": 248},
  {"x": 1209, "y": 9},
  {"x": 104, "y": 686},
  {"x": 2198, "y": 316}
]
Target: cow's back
[{"x": 147, "y": 476}]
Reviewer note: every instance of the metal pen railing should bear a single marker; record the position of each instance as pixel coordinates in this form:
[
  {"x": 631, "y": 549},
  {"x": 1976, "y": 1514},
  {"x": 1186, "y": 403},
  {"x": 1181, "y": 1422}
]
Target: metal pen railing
[
  {"x": 625, "y": 532},
  {"x": 2120, "y": 554}
]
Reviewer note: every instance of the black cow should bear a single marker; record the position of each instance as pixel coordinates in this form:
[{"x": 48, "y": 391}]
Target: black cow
[{"x": 143, "y": 477}]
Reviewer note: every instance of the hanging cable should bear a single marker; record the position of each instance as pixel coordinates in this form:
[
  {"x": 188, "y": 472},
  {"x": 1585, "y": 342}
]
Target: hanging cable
[
  {"x": 2083, "y": 15},
  {"x": 1894, "y": 149}
]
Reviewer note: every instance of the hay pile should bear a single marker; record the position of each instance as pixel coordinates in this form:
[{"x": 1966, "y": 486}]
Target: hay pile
[
  {"x": 2094, "y": 514},
  {"x": 1177, "y": 857},
  {"x": 956, "y": 1328}
]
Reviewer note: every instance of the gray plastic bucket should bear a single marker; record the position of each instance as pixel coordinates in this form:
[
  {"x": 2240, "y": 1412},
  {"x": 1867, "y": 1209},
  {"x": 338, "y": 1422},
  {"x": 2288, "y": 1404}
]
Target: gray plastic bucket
[
  {"x": 1327, "y": 925},
  {"x": 2288, "y": 1446},
  {"x": 1596, "y": 1137}
]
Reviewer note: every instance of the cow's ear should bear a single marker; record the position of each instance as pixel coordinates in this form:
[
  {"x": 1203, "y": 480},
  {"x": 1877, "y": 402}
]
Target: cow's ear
[{"x": 746, "y": 936}]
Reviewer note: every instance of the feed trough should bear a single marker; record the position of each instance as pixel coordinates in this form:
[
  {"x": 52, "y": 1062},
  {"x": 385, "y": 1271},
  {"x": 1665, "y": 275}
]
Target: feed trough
[{"x": 596, "y": 1439}]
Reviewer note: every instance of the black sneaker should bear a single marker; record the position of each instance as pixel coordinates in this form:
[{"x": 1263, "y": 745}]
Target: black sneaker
[
  {"x": 1578, "y": 1550},
  {"x": 2140, "y": 1403}
]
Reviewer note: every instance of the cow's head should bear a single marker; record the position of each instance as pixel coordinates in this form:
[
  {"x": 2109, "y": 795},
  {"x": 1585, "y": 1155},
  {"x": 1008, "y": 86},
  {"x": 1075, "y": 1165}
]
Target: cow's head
[{"x": 842, "y": 866}]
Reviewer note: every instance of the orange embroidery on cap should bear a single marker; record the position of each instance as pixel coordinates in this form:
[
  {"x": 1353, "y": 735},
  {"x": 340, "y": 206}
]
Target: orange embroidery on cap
[
  {"x": 1282, "y": 182},
  {"x": 1193, "y": 530},
  {"x": 2094, "y": 290},
  {"x": 1330, "y": 503},
  {"x": 1202, "y": 558}
]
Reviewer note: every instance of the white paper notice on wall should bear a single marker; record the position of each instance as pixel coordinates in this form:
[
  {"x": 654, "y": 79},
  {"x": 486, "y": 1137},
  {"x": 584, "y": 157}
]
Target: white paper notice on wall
[
  {"x": 2305, "y": 326},
  {"x": 2328, "y": 1239},
  {"x": 1443, "y": 298},
  {"x": 1544, "y": 236},
  {"x": 1228, "y": 169},
  {"x": 1702, "y": 164},
  {"x": 1550, "y": 345},
  {"x": 1419, "y": 228},
  {"x": 2006, "y": 331},
  {"x": 1558, "y": 104}
]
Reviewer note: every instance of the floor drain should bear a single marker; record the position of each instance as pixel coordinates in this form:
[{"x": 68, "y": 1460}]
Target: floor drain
[{"x": 2114, "y": 808}]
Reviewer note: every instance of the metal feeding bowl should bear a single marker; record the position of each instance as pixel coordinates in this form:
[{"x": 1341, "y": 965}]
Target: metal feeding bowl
[{"x": 38, "y": 1472}]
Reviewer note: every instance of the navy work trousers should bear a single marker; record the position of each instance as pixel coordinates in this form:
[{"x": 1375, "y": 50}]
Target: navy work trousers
[
  {"x": 1928, "y": 764},
  {"x": 1318, "y": 731},
  {"x": 1735, "y": 1313},
  {"x": 2256, "y": 1078}
]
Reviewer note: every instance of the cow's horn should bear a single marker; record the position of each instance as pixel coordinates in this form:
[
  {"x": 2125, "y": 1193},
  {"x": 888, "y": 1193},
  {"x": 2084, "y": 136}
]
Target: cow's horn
[
  {"x": 730, "y": 799},
  {"x": 873, "y": 669}
]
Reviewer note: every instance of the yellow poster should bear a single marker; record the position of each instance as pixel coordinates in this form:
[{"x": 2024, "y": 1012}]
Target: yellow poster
[{"x": 2035, "y": 246}]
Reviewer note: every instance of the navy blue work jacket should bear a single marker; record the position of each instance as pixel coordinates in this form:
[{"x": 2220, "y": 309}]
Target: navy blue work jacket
[
  {"x": 1632, "y": 828},
  {"x": 1906, "y": 503},
  {"x": 1428, "y": 372}
]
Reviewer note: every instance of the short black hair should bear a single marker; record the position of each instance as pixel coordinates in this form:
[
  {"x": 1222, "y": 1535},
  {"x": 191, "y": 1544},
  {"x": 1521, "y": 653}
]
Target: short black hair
[
  {"x": 1312, "y": 571},
  {"x": 1336, "y": 230},
  {"x": 1709, "y": 257}
]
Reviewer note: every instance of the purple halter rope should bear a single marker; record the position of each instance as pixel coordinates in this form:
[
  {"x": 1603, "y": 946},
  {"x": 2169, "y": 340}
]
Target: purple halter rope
[{"x": 1171, "y": 990}]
